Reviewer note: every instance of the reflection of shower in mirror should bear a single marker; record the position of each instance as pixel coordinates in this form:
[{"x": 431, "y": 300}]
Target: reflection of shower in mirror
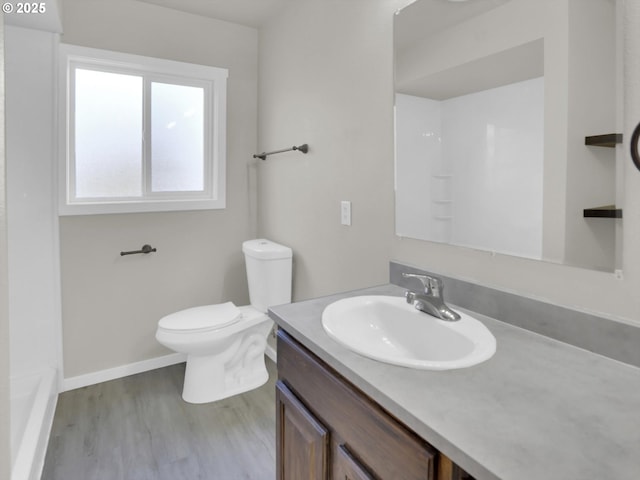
[{"x": 458, "y": 61}]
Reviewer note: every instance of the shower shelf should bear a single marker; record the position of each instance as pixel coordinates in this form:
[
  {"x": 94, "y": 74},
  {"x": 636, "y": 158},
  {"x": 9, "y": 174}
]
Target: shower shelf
[
  {"x": 608, "y": 211},
  {"x": 609, "y": 140}
]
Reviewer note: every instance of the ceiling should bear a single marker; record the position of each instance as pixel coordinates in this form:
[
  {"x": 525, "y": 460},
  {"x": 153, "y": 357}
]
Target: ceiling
[
  {"x": 251, "y": 13},
  {"x": 47, "y": 20},
  {"x": 426, "y": 17}
]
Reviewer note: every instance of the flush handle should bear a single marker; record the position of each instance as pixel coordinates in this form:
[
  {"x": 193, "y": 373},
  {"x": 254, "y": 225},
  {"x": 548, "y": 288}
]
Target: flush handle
[{"x": 145, "y": 249}]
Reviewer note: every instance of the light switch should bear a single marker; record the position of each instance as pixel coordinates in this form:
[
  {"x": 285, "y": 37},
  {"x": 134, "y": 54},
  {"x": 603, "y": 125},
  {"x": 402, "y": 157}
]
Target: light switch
[{"x": 345, "y": 212}]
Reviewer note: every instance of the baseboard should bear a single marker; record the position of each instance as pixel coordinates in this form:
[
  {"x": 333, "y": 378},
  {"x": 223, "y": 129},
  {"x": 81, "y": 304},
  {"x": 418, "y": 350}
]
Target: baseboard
[
  {"x": 122, "y": 371},
  {"x": 131, "y": 369}
]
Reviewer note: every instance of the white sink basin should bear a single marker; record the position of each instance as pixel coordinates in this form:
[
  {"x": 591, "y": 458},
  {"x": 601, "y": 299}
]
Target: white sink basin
[{"x": 390, "y": 330}]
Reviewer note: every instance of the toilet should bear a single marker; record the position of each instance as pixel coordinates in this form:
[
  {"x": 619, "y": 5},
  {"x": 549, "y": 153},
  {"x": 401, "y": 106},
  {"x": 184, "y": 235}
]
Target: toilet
[{"x": 225, "y": 343}]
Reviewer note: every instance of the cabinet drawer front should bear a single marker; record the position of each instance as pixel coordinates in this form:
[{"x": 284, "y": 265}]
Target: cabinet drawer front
[
  {"x": 382, "y": 445},
  {"x": 348, "y": 468}
]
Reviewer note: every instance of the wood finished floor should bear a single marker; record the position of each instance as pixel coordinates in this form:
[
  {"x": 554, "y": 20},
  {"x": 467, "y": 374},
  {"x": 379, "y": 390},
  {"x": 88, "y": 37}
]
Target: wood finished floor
[{"x": 139, "y": 428}]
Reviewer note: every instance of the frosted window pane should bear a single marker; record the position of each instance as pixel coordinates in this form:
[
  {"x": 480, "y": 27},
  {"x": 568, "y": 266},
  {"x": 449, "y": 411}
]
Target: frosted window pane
[
  {"x": 177, "y": 138},
  {"x": 108, "y": 134}
]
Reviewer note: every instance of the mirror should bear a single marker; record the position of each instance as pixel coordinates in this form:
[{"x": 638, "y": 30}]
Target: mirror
[{"x": 506, "y": 121}]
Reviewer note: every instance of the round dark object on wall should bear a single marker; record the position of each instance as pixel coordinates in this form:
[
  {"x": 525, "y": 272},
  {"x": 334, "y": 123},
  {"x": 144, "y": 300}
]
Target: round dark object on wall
[{"x": 634, "y": 146}]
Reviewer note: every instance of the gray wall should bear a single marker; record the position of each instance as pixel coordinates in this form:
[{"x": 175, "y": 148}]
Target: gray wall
[
  {"x": 30, "y": 69},
  {"x": 111, "y": 304},
  {"x": 326, "y": 79},
  {"x": 5, "y": 429}
]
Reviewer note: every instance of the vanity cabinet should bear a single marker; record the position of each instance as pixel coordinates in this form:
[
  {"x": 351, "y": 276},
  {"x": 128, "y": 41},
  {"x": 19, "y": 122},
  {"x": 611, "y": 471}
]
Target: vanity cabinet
[{"x": 327, "y": 429}]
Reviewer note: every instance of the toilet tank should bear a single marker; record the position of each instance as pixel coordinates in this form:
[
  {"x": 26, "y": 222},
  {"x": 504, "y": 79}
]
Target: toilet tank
[{"x": 269, "y": 267}]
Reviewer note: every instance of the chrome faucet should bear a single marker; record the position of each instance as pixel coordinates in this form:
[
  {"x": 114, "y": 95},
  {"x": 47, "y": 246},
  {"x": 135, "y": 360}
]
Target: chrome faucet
[{"x": 431, "y": 301}]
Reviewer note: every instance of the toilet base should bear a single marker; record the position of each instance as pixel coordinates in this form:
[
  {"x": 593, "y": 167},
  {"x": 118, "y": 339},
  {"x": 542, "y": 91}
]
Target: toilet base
[{"x": 236, "y": 370}]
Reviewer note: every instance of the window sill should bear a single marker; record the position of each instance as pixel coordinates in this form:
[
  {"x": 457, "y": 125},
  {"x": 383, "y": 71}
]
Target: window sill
[{"x": 95, "y": 208}]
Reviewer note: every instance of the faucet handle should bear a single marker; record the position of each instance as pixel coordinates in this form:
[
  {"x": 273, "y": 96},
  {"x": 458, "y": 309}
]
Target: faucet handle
[
  {"x": 432, "y": 285},
  {"x": 410, "y": 296}
]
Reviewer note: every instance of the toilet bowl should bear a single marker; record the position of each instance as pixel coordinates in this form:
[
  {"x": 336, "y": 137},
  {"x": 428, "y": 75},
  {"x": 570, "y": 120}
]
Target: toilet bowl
[{"x": 225, "y": 343}]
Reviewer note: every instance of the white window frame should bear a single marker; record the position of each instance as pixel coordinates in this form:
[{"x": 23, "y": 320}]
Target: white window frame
[{"x": 214, "y": 82}]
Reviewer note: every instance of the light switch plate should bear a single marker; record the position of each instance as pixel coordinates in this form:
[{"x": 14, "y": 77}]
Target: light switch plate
[{"x": 345, "y": 212}]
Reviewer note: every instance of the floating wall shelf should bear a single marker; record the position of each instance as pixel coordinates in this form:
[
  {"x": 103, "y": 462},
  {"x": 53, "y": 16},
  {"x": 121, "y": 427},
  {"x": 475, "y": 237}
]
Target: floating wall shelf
[
  {"x": 608, "y": 211},
  {"x": 610, "y": 140}
]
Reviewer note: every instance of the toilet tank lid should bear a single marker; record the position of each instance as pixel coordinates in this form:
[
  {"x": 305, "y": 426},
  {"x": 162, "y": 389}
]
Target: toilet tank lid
[
  {"x": 206, "y": 317},
  {"x": 265, "y": 249}
]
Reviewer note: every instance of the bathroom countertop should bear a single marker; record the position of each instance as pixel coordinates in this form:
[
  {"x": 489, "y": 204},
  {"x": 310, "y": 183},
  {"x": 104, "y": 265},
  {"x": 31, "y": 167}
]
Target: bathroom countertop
[{"x": 538, "y": 409}]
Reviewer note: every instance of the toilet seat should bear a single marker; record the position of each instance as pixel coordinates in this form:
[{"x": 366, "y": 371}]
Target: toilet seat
[{"x": 201, "y": 319}]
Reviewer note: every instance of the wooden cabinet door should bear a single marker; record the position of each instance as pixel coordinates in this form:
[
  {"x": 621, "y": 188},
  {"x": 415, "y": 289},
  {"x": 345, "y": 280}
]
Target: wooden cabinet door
[
  {"x": 348, "y": 468},
  {"x": 447, "y": 470},
  {"x": 302, "y": 441}
]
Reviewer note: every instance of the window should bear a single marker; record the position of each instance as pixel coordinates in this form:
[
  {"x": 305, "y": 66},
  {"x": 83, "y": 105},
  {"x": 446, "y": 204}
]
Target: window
[{"x": 140, "y": 134}]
